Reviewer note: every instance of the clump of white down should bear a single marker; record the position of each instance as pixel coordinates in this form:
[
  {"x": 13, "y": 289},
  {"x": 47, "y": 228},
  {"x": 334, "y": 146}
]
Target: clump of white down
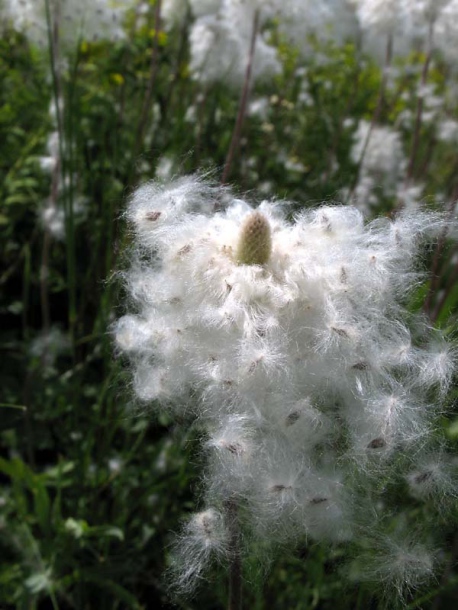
[
  {"x": 378, "y": 153},
  {"x": 221, "y": 30},
  {"x": 327, "y": 20},
  {"x": 76, "y": 20},
  {"x": 386, "y": 27},
  {"x": 303, "y": 372},
  {"x": 220, "y": 35},
  {"x": 407, "y": 23},
  {"x": 220, "y": 43}
]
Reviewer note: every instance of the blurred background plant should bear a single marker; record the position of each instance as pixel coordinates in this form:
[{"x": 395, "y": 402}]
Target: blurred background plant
[{"x": 342, "y": 104}]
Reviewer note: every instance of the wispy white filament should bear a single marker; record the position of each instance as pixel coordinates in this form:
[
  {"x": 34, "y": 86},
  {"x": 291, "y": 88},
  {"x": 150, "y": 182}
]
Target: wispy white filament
[{"x": 302, "y": 372}]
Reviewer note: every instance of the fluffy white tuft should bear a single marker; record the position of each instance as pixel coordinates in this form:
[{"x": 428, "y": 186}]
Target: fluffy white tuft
[{"x": 306, "y": 374}]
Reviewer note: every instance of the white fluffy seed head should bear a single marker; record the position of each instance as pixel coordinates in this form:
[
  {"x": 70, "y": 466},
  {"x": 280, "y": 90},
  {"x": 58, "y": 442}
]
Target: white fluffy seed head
[
  {"x": 306, "y": 374},
  {"x": 399, "y": 563},
  {"x": 434, "y": 478},
  {"x": 83, "y": 20},
  {"x": 203, "y": 540}
]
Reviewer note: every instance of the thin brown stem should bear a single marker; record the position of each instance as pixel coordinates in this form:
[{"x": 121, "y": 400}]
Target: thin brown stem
[
  {"x": 125, "y": 57},
  {"x": 145, "y": 111},
  {"x": 447, "y": 573},
  {"x": 419, "y": 113},
  {"x": 376, "y": 115},
  {"x": 428, "y": 157},
  {"x": 235, "y": 554},
  {"x": 437, "y": 255},
  {"x": 339, "y": 131},
  {"x": 445, "y": 294},
  {"x": 53, "y": 21},
  {"x": 28, "y": 419},
  {"x": 201, "y": 112},
  {"x": 235, "y": 140},
  {"x": 44, "y": 288},
  {"x": 45, "y": 255},
  {"x": 180, "y": 58}
]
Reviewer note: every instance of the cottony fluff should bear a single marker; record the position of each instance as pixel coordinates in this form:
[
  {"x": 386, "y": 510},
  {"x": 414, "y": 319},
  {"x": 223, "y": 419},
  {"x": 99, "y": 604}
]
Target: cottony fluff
[{"x": 289, "y": 344}]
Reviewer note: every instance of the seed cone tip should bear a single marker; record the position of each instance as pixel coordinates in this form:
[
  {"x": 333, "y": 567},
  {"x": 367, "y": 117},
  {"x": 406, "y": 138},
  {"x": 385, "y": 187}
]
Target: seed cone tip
[{"x": 255, "y": 242}]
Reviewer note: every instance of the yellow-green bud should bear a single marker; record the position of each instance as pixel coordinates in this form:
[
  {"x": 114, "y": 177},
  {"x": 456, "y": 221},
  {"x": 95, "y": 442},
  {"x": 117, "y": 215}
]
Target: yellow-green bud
[{"x": 255, "y": 243}]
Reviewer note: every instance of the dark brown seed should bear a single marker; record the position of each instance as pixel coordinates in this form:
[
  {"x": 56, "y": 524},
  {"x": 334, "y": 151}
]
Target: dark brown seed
[
  {"x": 292, "y": 418},
  {"x": 318, "y": 500},
  {"x": 234, "y": 448},
  {"x": 377, "y": 443},
  {"x": 360, "y": 366},
  {"x": 423, "y": 477},
  {"x": 185, "y": 249},
  {"x": 340, "y": 331},
  {"x": 278, "y": 488},
  {"x": 153, "y": 216},
  {"x": 252, "y": 366}
]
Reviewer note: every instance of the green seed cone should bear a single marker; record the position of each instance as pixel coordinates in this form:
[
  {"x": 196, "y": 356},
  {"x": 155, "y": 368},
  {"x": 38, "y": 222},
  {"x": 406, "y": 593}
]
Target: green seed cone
[{"x": 255, "y": 243}]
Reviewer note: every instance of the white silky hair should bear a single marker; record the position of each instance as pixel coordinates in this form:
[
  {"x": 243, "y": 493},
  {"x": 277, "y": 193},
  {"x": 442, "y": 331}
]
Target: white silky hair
[{"x": 307, "y": 376}]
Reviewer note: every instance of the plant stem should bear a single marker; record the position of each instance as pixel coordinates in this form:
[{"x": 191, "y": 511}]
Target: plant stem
[
  {"x": 243, "y": 103},
  {"x": 376, "y": 115},
  {"x": 145, "y": 111},
  {"x": 53, "y": 20},
  {"x": 446, "y": 293},
  {"x": 435, "y": 276},
  {"x": 446, "y": 575},
  {"x": 419, "y": 114},
  {"x": 339, "y": 130},
  {"x": 235, "y": 567}
]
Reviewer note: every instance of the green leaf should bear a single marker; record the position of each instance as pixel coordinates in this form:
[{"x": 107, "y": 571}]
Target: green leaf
[
  {"x": 6, "y": 405},
  {"x": 57, "y": 471},
  {"x": 19, "y": 198},
  {"x": 109, "y": 585},
  {"x": 106, "y": 530},
  {"x": 42, "y": 505},
  {"x": 77, "y": 528},
  {"x": 38, "y": 582}
]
